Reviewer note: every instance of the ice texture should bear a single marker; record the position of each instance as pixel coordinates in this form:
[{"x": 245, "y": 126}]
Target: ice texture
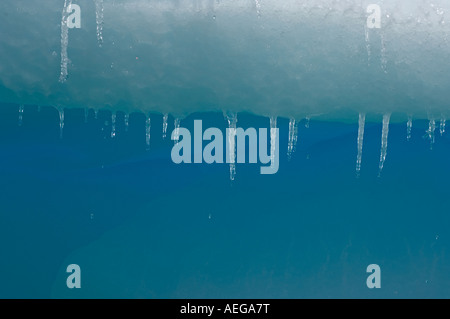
[{"x": 293, "y": 59}]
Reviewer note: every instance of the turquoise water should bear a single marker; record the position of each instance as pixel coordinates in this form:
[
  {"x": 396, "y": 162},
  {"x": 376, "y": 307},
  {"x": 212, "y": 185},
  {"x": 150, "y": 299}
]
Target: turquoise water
[{"x": 141, "y": 226}]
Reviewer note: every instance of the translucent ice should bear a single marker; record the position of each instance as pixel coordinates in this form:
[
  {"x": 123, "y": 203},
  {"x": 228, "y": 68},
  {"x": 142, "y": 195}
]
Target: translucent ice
[
  {"x": 384, "y": 141},
  {"x": 293, "y": 136},
  {"x": 231, "y": 143},
  {"x": 362, "y": 121},
  {"x": 297, "y": 59}
]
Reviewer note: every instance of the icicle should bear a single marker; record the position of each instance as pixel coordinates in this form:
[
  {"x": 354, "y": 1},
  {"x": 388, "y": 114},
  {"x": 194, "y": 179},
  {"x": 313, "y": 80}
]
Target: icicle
[
  {"x": 165, "y": 118},
  {"x": 64, "y": 42},
  {"x": 442, "y": 126},
  {"x": 293, "y": 134},
  {"x": 21, "y": 114},
  {"x": 307, "y": 122},
  {"x": 113, "y": 125},
  {"x": 409, "y": 127},
  {"x": 176, "y": 132},
  {"x": 361, "y": 124},
  {"x": 96, "y": 114},
  {"x": 431, "y": 132},
  {"x": 232, "y": 121},
  {"x": 86, "y": 115},
  {"x": 126, "y": 119},
  {"x": 61, "y": 121},
  {"x": 384, "y": 141},
  {"x": 147, "y": 132},
  {"x": 99, "y": 21}
]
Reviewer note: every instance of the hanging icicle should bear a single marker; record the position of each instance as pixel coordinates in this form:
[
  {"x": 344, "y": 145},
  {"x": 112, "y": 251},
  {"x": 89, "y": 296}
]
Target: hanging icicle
[
  {"x": 176, "y": 131},
  {"x": 126, "y": 119},
  {"x": 442, "y": 126},
  {"x": 308, "y": 120},
  {"x": 61, "y": 121},
  {"x": 293, "y": 135},
  {"x": 384, "y": 141},
  {"x": 21, "y": 108},
  {"x": 113, "y": 124},
  {"x": 430, "y": 133},
  {"x": 360, "y": 141},
  {"x": 147, "y": 132},
  {"x": 165, "y": 119},
  {"x": 409, "y": 125}
]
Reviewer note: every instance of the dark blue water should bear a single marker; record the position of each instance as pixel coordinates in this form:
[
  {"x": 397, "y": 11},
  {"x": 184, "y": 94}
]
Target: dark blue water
[{"x": 140, "y": 226}]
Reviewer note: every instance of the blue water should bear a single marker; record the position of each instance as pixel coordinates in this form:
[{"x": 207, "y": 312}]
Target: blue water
[{"x": 141, "y": 226}]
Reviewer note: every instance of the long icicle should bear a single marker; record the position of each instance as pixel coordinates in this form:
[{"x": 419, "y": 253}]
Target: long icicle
[
  {"x": 442, "y": 126},
  {"x": 360, "y": 141},
  {"x": 176, "y": 131},
  {"x": 293, "y": 136},
  {"x": 409, "y": 125},
  {"x": 384, "y": 141},
  {"x": 431, "y": 132},
  {"x": 165, "y": 124}
]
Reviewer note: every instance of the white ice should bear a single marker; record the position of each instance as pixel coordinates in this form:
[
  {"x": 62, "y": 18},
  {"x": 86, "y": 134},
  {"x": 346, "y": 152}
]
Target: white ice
[{"x": 362, "y": 121}]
